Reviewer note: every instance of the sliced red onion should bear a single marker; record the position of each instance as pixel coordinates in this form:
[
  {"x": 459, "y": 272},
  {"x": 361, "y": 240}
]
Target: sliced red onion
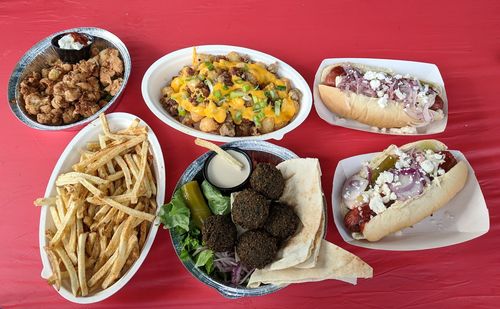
[
  {"x": 249, "y": 272},
  {"x": 236, "y": 274},
  {"x": 411, "y": 184},
  {"x": 353, "y": 187}
]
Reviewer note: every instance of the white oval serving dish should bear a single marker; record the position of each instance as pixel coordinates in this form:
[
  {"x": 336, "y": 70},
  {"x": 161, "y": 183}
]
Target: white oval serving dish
[
  {"x": 161, "y": 72},
  {"x": 70, "y": 156}
]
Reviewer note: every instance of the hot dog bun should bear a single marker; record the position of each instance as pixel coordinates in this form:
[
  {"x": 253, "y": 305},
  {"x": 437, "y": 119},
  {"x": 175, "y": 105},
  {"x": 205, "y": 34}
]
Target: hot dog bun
[
  {"x": 404, "y": 214},
  {"x": 350, "y": 105}
]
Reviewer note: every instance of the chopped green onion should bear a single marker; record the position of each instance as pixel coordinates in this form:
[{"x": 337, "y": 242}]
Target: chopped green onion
[
  {"x": 246, "y": 87},
  {"x": 273, "y": 94},
  {"x": 277, "y": 107},
  {"x": 209, "y": 65},
  {"x": 258, "y": 118},
  {"x": 256, "y": 87},
  {"x": 199, "y": 99},
  {"x": 181, "y": 110},
  {"x": 209, "y": 84},
  {"x": 237, "y": 117},
  {"x": 281, "y": 87},
  {"x": 236, "y": 94},
  {"x": 217, "y": 94}
]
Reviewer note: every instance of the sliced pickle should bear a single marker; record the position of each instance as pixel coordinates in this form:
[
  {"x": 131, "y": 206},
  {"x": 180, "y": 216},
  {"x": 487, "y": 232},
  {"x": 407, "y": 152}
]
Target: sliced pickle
[{"x": 388, "y": 163}]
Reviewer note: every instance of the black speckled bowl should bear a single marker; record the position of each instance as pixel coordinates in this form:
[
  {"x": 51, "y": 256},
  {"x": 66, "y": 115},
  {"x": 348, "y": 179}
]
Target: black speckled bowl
[
  {"x": 236, "y": 188},
  {"x": 72, "y": 55}
]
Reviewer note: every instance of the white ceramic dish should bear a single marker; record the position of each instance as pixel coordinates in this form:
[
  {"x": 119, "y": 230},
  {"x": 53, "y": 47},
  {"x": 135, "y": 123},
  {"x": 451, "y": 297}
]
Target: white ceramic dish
[
  {"x": 464, "y": 218},
  {"x": 161, "y": 72},
  {"x": 69, "y": 157},
  {"x": 421, "y": 70}
]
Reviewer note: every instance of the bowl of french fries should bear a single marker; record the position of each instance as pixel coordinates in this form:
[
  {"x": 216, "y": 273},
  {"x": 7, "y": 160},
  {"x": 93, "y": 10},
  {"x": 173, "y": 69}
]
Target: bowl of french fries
[{"x": 98, "y": 217}]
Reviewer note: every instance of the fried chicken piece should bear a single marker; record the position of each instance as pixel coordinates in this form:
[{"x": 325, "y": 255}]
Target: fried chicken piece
[
  {"x": 111, "y": 65},
  {"x": 114, "y": 87}
]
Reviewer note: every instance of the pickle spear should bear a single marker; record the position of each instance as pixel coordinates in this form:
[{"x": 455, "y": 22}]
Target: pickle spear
[
  {"x": 388, "y": 163},
  {"x": 196, "y": 203}
]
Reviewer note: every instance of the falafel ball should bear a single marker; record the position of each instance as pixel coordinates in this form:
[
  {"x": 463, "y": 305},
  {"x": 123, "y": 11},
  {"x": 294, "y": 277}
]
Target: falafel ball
[
  {"x": 219, "y": 233},
  {"x": 282, "y": 221},
  {"x": 267, "y": 180},
  {"x": 250, "y": 209},
  {"x": 256, "y": 248}
]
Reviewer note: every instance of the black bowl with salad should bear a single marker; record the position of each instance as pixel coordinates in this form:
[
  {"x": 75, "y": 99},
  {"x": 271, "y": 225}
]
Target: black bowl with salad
[{"x": 200, "y": 222}]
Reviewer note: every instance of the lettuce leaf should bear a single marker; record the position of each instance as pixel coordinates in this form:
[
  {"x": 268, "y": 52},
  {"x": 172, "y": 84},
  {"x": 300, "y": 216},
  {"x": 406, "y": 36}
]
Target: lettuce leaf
[
  {"x": 176, "y": 213},
  {"x": 218, "y": 203}
]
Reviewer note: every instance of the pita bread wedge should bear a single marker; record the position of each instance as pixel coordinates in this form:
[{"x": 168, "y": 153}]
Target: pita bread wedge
[
  {"x": 311, "y": 261},
  {"x": 303, "y": 193},
  {"x": 333, "y": 263}
]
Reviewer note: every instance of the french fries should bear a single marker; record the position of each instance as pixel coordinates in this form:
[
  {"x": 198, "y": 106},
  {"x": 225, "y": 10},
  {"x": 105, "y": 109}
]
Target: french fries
[
  {"x": 224, "y": 154},
  {"x": 102, "y": 211}
]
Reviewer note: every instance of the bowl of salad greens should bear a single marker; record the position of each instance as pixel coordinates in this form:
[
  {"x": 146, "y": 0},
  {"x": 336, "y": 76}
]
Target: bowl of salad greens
[{"x": 219, "y": 270}]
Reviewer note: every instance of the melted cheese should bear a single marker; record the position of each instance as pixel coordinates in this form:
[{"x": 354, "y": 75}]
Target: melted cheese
[{"x": 235, "y": 106}]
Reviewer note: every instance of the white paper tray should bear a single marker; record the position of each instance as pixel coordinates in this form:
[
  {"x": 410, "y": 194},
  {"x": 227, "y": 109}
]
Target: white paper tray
[
  {"x": 464, "y": 218},
  {"x": 421, "y": 70}
]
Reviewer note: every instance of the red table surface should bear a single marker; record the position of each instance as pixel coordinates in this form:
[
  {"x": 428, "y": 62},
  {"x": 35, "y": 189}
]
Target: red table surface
[{"x": 461, "y": 37}]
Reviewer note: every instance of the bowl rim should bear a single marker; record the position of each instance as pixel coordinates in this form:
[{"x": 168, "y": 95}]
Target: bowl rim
[
  {"x": 225, "y": 290},
  {"x": 305, "y": 103},
  {"x": 32, "y": 53}
]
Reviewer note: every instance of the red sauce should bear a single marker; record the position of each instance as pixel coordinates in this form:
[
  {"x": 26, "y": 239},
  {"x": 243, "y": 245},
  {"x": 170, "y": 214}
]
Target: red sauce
[
  {"x": 80, "y": 38},
  {"x": 356, "y": 218},
  {"x": 330, "y": 78},
  {"x": 438, "y": 104},
  {"x": 449, "y": 161}
]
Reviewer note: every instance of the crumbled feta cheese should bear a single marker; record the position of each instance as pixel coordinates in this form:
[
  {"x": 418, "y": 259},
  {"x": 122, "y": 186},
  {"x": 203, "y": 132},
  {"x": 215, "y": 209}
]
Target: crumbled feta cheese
[
  {"x": 404, "y": 160},
  {"x": 338, "y": 80},
  {"x": 380, "y": 76},
  {"x": 399, "y": 94},
  {"x": 386, "y": 190},
  {"x": 385, "y": 87},
  {"x": 438, "y": 156},
  {"x": 365, "y": 197},
  {"x": 370, "y": 75},
  {"x": 424, "y": 99},
  {"x": 384, "y": 177},
  {"x": 398, "y": 76},
  {"x": 393, "y": 196},
  {"x": 427, "y": 166},
  {"x": 441, "y": 171},
  {"x": 382, "y": 102},
  {"x": 404, "y": 130},
  {"x": 374, "y": 84},
  {"x": 376, "y": 204},
  {"x": 380, "y": 93}
]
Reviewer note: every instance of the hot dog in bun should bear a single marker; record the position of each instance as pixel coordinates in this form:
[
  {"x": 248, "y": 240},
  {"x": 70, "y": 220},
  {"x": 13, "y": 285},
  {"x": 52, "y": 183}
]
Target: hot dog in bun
[
  {"x": 400, "y": 187},
  {"x": 379, "y": 97}
]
